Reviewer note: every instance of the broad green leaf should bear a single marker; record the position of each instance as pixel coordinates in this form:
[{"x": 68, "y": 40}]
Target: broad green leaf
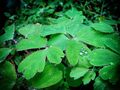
[
  {"x": 35, "y": 41},
  {"x": 50, "y": 76},
  {"x": 52, "y": 29},
  {"x": 90, "y": 75},
  {"x": 102, "y": 27},
  {"x": 78, "y": 72},
  {"x": 91, "y": 37},
  {"x": 59, "y": 41},
  {"x": 54, "y": 55},
  {"x": 9, "y": 33},
  {"x": 30, "y": 29},
  {"x": 4, "y": 52},
  {"x": 7, "y": 76},
  {"x": 99, "y": 84},
  {"x": 72, "y": 52},
  {"x": 32, "y": 64},
  {"x": 101, "y": 57},
  {"x": 109, "y": 72}
]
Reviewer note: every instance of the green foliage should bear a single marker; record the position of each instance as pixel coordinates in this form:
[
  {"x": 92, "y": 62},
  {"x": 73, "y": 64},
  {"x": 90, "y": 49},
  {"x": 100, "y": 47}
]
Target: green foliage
[
  {"x": 50, "y": 76},
  {"x": 36, "y": 60},
  {"x": 8, "y": 76},
  {"x": 52, "y": 49}
]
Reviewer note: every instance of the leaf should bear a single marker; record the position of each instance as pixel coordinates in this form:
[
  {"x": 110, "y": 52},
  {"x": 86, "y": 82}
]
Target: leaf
[
  {"x": 59, "y": 41},
  {"x": 7, "y": 76},
  {"x": 109, "y": 72},
  {"x": 84, "y": 63},
  {"x": 101, "y": 57},
  {"x": 88, "y": 77},
  {"x": 72, "y": 52},
  {"x": 32, "y": 64},
  {"x": 52, "y": 29},
  {"x": 35, "y": 41},
  {"x": 72, "y": 13},
  {"x": 91, "y": 37},
  {"x": 78, "y": 72},
  {"x": 4, "y": 52},
  {"x": 71, "y": 81},
  {"x": 113, "y": 44},
  {"x": 9, "y": 33},
  {"x": 50, "y": 76},
  {"x": 102, "y": 27},
  {"x": 99, "y": 84},
  {"x": 54, "y": 55},
  {"x": 30, "y": 29}
]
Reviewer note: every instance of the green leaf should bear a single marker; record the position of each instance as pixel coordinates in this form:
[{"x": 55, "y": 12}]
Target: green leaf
[
  {"x": 7, "y": 76},
  {"x": 30, "y": 29},
  {"x": 50, "y": 76},
  {"x": 32, "y": 64},
  {"x": 113, "y": 44},
  {"x": 88, "y": 77},
  {"x": 52, "y": 29},
  {"x": 72, "y": 13},
  {"x": 84, "y": 63},
  {"x": 105, "y": 73},
  {"x": 72, "y": 52},
  {"x": 59, "y": 41},
  {"x": 35, "y": 41},
  {"x": 78, "y": 72},
  {"x": 102, "y": 27},
  {"x": 4, "y": 52},
  {"x": 101, "y": 57},
  {"x": 54, "y": 55},
  {"x": 91, "y": 37},
  {"x": 99, "y": 84},
  {"x": 9, "y": 33}
]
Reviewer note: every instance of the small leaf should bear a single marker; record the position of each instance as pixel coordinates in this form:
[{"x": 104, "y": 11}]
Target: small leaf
[
  {"x": 72, "y": 52},
  {"x": 88, "y": 77},
  {"x": 78, "y": 72},
  {"x": 4, "y": 52},
  {"x": 50, "y": 76},
  {"x": 7, "y": 76},
  {"x": 59, "y": 41},
  {"x": 109, "y": 72},
  {"x": 9, "y": 33},
  {"x": 101, "y": 57},
  {"x": 54, "y": 55},
  {"x": 31, "y": 43},
  {"x": 30, "y": 29},
  {"x": 102, "y": 27},
  {"x": 100, "y": 84},
  {"x": 32, "y": 64}
]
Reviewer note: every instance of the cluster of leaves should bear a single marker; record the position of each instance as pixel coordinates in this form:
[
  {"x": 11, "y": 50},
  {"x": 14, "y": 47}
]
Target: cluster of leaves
[{"x": 50, "y": 50}]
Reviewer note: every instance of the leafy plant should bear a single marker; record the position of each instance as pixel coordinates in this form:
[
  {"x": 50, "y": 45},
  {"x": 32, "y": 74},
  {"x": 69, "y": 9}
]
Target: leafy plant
[{"x": 67, "y": 51}]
